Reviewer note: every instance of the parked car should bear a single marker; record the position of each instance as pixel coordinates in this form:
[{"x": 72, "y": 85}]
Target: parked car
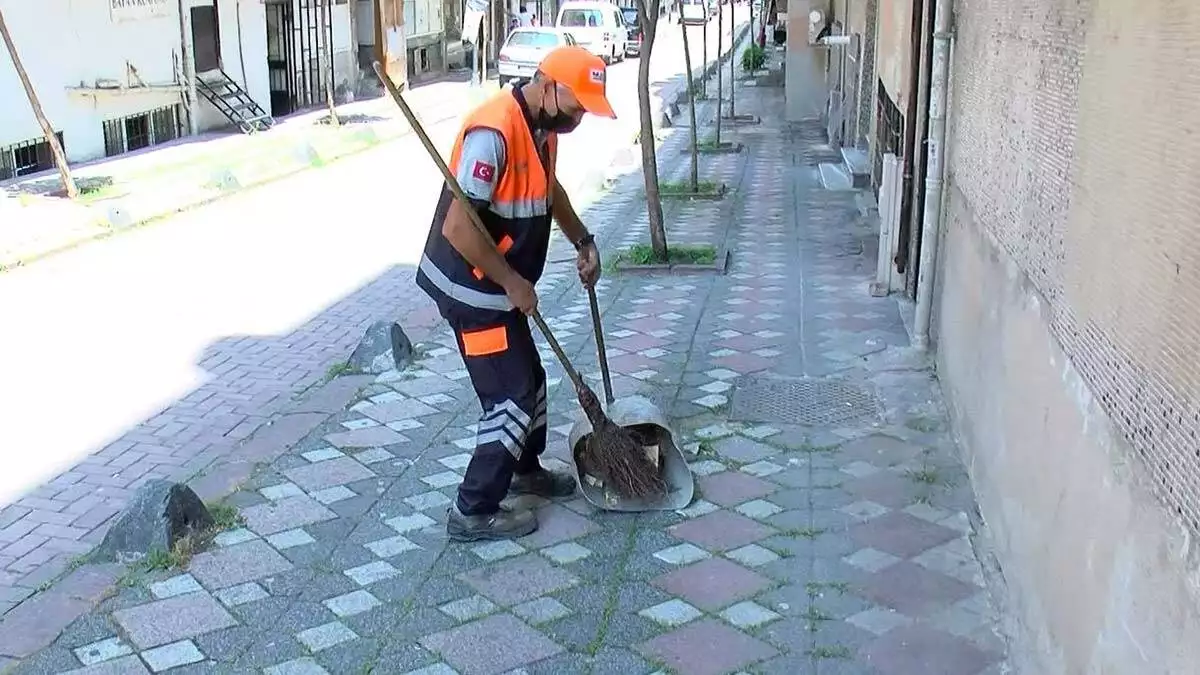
[
  {"x": 633, "y": 47},
  {"x": 694, "y": 12},
  {"x": 525, "y": 48},
  {"x": 597, "y": 26}
]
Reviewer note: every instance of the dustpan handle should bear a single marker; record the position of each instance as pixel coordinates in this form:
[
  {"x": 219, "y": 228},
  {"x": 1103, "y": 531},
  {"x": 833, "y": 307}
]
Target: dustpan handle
[
  {"x": 601, "y": 352},
  {"x": 455, "y": 188}
]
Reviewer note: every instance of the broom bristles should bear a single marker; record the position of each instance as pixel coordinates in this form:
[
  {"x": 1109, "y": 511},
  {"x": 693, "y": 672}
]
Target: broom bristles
[{"x": 615, "y": 456}]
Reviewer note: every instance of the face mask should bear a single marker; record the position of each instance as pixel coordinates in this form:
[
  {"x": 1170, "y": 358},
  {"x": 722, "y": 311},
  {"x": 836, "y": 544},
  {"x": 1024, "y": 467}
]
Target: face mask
[{"x": 559, "y": 122}]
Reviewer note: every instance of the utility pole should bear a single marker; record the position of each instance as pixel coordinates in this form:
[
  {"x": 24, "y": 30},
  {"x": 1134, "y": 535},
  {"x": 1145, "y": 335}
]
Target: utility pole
[
  {"x": 325, "y": 56},
  {"x": 60, "y": 160}
]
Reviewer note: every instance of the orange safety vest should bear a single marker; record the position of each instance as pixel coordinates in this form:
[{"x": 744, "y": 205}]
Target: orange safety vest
[{"x": 518, "y": 217}]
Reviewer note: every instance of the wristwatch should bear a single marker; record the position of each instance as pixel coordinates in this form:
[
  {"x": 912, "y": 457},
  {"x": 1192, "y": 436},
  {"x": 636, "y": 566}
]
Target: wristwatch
[{"x": 586, "y": 240}]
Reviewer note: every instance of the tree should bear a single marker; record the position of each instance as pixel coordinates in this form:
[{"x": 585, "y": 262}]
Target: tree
[
  {"x": 325, "y": 56},
  {"x": 60, "y": 160},
  {"x": 704, "y": 58},
  {"x": 720, "y": 88},
  {"x": 694, "y": 177},
  {"x": 648, "y": 15},
  {"x": 732, "y": 63}
]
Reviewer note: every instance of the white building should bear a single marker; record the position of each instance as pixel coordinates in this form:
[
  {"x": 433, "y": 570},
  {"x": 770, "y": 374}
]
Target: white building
[{"x": 119, "y": 75}]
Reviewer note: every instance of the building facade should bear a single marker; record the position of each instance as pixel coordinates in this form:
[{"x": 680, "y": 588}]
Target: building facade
[{"x": 121, "y": 75}]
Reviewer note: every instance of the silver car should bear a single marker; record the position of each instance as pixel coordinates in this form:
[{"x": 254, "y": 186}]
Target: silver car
[{"x": 525, "y": 48}]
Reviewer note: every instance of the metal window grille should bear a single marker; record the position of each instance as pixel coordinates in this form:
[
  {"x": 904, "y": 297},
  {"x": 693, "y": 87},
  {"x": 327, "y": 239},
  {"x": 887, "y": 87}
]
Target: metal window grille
[
  {"x": 27, "y": 157},
  {"x": 142, "y": 130}
]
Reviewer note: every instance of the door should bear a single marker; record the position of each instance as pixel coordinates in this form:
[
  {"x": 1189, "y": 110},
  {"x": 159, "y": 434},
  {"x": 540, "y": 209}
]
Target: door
[
  {"x": 280, "y": 61},
  {"x": 206, "y": 42}
]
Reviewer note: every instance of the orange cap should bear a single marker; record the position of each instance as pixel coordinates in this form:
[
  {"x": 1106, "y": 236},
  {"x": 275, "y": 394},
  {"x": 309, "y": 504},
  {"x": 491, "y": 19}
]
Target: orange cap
[{"x": 583, "y": 73}]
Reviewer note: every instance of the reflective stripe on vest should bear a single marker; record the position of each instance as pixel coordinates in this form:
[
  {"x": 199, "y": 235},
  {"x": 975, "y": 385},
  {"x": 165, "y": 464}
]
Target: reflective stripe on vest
[{"x": 467, "y": 296}]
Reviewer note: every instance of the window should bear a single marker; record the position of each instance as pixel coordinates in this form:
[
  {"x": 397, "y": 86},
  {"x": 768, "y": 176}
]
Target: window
[
  {"x": 27, "y": 157},
  {"x": 581, "y": 18},
  {"x": 141, "y": 131},
  {"x": 533, "y": 38}
]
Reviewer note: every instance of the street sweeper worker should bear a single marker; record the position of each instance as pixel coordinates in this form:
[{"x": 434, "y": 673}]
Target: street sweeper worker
[{"x": 504, "y": 160}]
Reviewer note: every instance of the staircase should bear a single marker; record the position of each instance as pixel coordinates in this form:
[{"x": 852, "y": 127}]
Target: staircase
[{"x": 233, "y": 101}]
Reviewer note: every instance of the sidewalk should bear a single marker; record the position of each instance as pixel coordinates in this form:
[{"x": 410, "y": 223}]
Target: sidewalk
[
  {"x": 122, "y": 192},
  {"x": 830, "y": 533}
]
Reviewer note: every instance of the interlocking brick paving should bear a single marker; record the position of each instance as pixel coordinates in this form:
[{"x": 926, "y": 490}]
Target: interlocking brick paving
[{"x": 841, "y": 549}]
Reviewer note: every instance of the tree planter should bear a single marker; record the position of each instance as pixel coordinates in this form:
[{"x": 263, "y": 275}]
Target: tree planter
[
  {"x": 718, "y": 265},
  {"x": 706, "y": 191}
]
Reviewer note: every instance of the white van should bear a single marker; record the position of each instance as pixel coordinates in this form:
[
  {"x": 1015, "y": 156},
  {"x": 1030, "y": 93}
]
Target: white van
[{"x": 596, "y": 26}]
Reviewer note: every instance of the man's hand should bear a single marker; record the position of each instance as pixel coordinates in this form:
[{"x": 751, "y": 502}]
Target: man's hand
[
  {"x": 521, "y": 294},
  {"x": 588, "y": 264}
]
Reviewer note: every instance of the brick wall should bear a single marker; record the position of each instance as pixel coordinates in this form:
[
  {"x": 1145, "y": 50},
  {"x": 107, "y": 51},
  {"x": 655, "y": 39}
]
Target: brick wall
[
  {"x": 1072, "y": 209},
  {"x": 1067, "y": 148}
]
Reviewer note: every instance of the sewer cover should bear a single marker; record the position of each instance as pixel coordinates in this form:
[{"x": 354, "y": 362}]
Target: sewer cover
[{"x": 810, "y": 401}]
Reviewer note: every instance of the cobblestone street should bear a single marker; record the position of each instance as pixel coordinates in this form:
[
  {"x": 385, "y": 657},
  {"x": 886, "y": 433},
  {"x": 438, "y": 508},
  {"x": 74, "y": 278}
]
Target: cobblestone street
[{"x": 832, "y": 531}]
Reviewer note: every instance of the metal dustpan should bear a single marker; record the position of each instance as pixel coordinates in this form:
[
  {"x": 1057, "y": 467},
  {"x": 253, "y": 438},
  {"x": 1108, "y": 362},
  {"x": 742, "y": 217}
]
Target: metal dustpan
[{"x": 641, "y": 417}]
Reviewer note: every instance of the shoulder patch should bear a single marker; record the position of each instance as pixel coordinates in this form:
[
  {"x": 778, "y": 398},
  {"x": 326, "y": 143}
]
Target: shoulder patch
[{"x": 483, "y": 171}]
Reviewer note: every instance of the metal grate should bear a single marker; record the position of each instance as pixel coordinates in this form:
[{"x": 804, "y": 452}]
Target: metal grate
[
  {"x": 27, "y": 157},
  {"x": 810, "y": 401},
  {"x": 142, "y": 130}
]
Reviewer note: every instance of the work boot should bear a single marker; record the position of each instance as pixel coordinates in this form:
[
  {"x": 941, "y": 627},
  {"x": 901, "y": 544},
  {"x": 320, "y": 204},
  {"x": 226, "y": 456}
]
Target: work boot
[
  {"x": 543, "y": 483},
  {"x": 503, "y": 524}
]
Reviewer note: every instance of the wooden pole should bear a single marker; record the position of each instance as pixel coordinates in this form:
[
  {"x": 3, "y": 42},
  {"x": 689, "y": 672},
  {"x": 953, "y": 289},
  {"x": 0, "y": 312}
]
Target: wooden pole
[{"x": 60, "y": 160}]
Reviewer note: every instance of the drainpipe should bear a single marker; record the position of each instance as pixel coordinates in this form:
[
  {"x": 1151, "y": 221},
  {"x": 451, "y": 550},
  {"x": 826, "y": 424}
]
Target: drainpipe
[
  {"x": 189, "y": 73},
  {"x": 910, "y": 134},
  {"x": 934, "y": 171}
]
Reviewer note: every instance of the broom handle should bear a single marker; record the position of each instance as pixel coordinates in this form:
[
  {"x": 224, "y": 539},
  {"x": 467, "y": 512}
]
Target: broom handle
[
  {"x": 452, "y": 183},
  {"x": 601, "y": 352}
]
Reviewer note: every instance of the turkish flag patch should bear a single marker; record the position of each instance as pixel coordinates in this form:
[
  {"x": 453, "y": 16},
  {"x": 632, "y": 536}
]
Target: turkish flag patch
[{"x": 484, "y": 171}]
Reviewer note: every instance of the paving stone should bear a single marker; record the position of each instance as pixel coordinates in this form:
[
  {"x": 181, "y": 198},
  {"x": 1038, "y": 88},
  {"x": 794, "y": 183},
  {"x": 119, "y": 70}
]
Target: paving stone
[
  {"x": 365, "y": 438},
  {"x": 566, "y": 553},
  {"x": 442, "y": 479},
  {"x": 672, "y": 613},
  {"x": 753, "y": 555},
  {"x": 234, "y": 565},
  {"x": 901, "y": 535},
  {"x": 871, "y": 560},
  {"x": 469, "y": 608},
  {"x": 355, "y": 602},
  {"x": 412, "y": 523},
  {"x": 302, "y": 666},
  {"x": 333, "y": 495},
  {"x": 721, "y": 530},
  {"x": 744, "y": 450},
  {"x": 762, "y": 469},
  {"x": 496, "y": 644},
  {"x": 748, "y": 615},
  {"x": 557, "y": 524},
  {"x": 171, "y": 620},
  {"x": 707, "y": 467},
  {"x": 173, "y": 655},
  {"x": 281, "y": 491},
  {"x": 104, "y": 650},
  {"x": 706, "y": 647},
  {"x": 177, "y": 585},
  {"x": 712, "y": 584},
  {"x": 914, "y": 590},
  {"x": 683, "y": 554},
  {"x": 127, "y": 665},
  {"x": 879, "y": 620},
  {"x": 917, "y": 650},
  {"x": 323, "y": 454},
  {"x": 325, "y": 636},
  {"x": 497, "y": 550},
  {"x": 285, "y": 514},
  {"x": 518, "y": 580},
  {"x": 435, "y": 669},
  {"x": 698, "y": 508},
  {"x": 374, "y": 455},
  {"x": 290, "y": 539},
  {"x": 541, "y": 610},
  {"x": 428, "y": 500},
  {"x": 759, "y": 509},
  {"x": 392, "y": 546},
  {"x": 241, "y": 594},
  {"x": 234, "y": 537},
  {"x": 729, "y": 488},
  {"x": 365, "y": 575},
  {"x": 329, "y": 473}
]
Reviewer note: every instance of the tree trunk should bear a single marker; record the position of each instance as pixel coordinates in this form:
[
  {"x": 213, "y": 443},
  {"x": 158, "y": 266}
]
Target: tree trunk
[
  {"x": 732, "y": 62},
  {"x": 704, "y": 59},
  {"x": 694, "y": 176},
  {"x": 325, "y": 55},
  {"x": 60, "y": 160},
  {"x": 648, "y": 14},
  {"x": 720, "y": 82}
]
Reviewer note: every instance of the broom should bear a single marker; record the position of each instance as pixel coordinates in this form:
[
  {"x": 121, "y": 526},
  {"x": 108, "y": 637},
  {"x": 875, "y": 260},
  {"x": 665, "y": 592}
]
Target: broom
[{"x": 613, "y": 453}]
